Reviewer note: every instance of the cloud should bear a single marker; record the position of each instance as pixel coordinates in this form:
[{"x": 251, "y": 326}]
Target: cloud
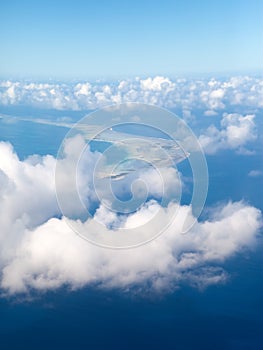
[
  {"x": 52, "y": 255},
  {"x": 185, "y": 94},
  {"x": 210, "y": 113},
  {"x": 39, "y": 251},
  {"x": 255, "y": 173},
  {"x": 211, "y": 97},
  {"x": 235, "y": 133}
]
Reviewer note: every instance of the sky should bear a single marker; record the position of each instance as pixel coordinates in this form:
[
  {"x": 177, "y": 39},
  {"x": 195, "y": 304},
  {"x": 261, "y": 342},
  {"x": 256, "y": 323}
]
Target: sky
[{"x": 112, "y": 39}]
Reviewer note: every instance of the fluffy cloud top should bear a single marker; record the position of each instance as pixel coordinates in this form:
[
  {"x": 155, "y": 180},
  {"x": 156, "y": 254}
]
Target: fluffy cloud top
[
  {"x": 236, "y": 131},
  {"x": 211, "y": 95},
  {"x": 39, "y": 250}
]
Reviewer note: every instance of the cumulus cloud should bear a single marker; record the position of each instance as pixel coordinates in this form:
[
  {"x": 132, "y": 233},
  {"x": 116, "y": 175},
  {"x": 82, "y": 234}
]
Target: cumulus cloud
[
  {"x": 235, "y": 133},
  {"x": 40, "y": 251},
  {"x": 186, "y": 94}
]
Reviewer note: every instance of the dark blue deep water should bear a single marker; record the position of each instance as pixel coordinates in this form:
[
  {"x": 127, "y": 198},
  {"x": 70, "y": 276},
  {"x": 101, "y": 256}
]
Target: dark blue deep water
[{"x": 228, "y": 316}]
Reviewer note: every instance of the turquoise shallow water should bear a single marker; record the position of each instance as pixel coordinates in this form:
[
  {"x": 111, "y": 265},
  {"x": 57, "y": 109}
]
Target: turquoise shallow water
[{"x": 225, "y": 317}]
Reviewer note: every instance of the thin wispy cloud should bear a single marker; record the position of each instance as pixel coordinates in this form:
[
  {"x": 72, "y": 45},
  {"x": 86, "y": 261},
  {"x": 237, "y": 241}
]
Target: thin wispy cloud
[{"x": 211, "y": 95}]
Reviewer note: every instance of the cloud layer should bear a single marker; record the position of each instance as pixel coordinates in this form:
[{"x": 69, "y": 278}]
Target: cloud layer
[
  {"x": 237, "y": 101},
  {"x": 212, "y": 95},
  {"x": 40, "y": 251}
]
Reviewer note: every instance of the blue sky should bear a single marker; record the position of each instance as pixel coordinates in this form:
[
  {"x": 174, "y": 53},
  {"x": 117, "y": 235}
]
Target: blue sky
[{"x": 102, "y": 39}]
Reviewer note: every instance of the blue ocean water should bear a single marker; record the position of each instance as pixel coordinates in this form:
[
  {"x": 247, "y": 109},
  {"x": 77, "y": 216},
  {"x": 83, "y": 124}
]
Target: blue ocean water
[{"x": 228, "y": 316}]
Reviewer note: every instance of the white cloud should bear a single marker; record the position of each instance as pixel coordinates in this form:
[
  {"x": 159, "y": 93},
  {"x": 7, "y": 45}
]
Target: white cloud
[
  {"x": 255, "y": 173},
  {"x": 52, "y": 255},
  {"x": 157, "y": 84},
  {"x": 236, "y": 132},
  {"x": 39, "y": 250},
  {"x": 210, "y": 113},
  {"x": 186, "y": 94},
  {"x": 213, "y": 98}
]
